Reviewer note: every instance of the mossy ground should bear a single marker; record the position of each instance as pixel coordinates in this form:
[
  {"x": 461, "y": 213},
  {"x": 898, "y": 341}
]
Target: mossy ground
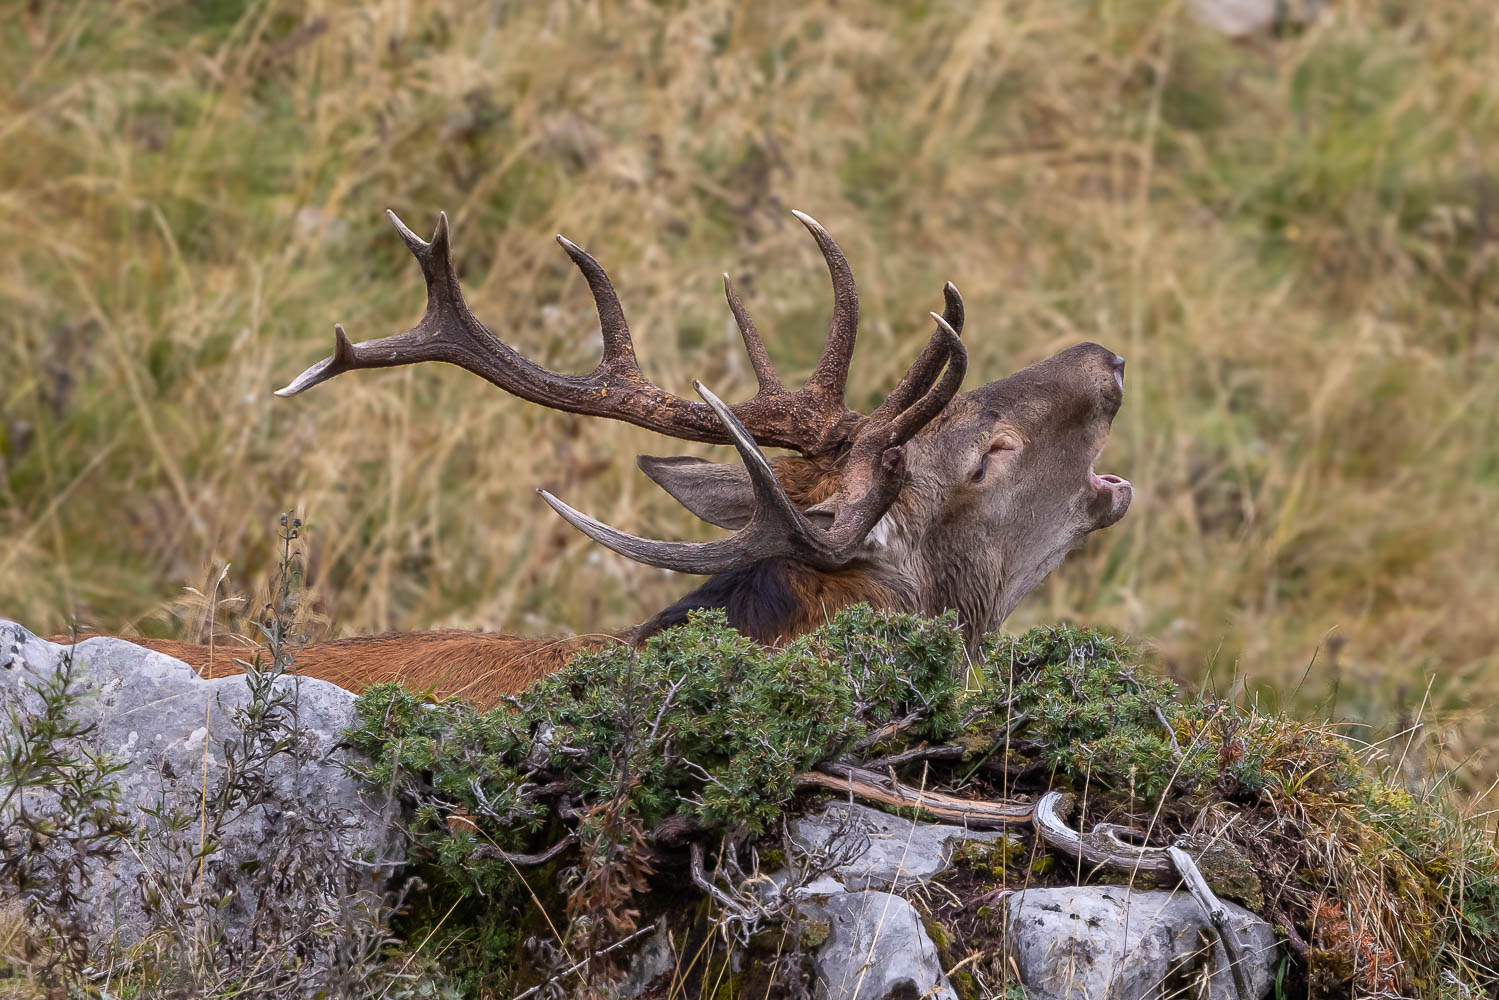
[
  {"x": 701, "y": 733},
  {"x": 619, "y": 767}
]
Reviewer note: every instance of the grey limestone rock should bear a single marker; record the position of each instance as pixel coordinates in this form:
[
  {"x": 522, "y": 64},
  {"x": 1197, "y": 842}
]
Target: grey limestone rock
[
  {"x": 298, "y": 827},
  {"x": 1239, "y": 18},
  {"x": 901, "y": 853},
  {"x": 651, "y": 961},
  {"x": 876, "y": 949},
  {"x": 1097, "y": 942},
  {"x": 877, "y": 946}
]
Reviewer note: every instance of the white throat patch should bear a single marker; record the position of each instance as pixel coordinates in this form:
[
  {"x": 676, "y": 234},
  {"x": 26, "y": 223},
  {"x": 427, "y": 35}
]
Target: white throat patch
[{"x": 879, "y": 536}]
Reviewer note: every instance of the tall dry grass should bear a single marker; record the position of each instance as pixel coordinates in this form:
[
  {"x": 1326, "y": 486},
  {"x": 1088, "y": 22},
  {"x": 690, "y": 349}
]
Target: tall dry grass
[{"x": 1293, "y": 240}]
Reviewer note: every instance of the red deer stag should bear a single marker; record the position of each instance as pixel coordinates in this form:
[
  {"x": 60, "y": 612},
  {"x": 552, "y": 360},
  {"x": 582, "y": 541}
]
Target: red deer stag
[{"x": 935, "y": 500}]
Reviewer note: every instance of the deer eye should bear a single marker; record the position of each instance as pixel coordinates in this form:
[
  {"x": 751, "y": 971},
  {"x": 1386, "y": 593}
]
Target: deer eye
[{"x": 1000, "y": 446}]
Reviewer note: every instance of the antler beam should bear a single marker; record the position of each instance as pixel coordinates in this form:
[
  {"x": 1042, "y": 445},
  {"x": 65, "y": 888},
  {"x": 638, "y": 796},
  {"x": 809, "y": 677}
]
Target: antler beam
[{"x": 814, "y": 420}]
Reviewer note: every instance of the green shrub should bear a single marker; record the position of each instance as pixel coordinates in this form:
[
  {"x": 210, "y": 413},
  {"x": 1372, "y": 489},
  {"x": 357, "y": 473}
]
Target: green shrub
[
  {"x": 1072, "y": 692},
  {"x": 703, "y": 732},
  {"x": 701, "y": 724},
  {"x": 701, "y": 721}
]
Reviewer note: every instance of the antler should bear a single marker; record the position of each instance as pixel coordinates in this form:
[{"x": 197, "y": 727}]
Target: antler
[
  {"x": 814, "y": 420},
  {"x": 869, "y": 484}
]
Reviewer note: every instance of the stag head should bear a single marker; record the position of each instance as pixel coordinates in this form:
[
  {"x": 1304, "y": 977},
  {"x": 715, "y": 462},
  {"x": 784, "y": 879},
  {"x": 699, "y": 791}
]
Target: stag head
[
  {"x": 934, "y": 500},
  {"x": 996, "y": 490}
]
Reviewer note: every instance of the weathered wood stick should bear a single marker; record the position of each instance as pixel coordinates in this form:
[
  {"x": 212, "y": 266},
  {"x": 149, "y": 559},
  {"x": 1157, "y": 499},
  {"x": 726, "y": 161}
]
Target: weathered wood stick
[
  {"x": 1102, "y": 847},
  {"x": 1217, "y": 914},
  {"x": 875, "y": 787},
  {"x": 490, "y": 852}
]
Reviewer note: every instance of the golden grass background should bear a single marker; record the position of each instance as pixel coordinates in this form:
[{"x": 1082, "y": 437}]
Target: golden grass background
[{"x": 1292, "y": 239}]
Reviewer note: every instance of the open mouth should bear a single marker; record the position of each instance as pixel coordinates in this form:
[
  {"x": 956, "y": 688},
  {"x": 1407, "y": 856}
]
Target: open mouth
[
  {"x": 1106, "y": 481},
  {"x": 1111, "y": 495}
]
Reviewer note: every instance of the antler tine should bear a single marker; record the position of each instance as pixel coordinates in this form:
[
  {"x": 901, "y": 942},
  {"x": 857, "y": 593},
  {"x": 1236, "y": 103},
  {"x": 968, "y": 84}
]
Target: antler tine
[
  {"x": 702, "y": 558},
  {"x": 768, "y": 491},
  {"x": 831, "y": 374},
  {"x": 935, "y": 399},
  {"x": 436, "y": 257},
  {"x": 341, "y": 360},
  {"x": 619, "y": 349},
  {"x": 875, "y": 466},
  {"x": 944, "y": 347},
  {"x": 768, "y": 381},
  {"x": 777, "y": 527}
]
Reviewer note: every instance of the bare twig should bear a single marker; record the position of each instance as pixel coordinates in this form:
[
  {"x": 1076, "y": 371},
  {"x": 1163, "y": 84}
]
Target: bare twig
[
  {"x": 718, "y": 895},
  {"x": 1297, "y": 943},
  {"x": 584, "y": 961},
  {"x": 1160, "y": 716},
  {"x": 884, "y": 732},
  {"x": 871, "y": 786},
  {"x": 945, "y": 751},
  {"x": 489, "y": 852},
  {"x": 1103, "y": 847},
  {"x": 665, "y": 704},
  {"x": 735, "y": 911},
  {"x": 1216, "y": 913}
]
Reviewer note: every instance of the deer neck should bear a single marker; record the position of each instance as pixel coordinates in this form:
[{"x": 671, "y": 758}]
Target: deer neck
[
  {"x": 943, "y": 568},
  {"x": 912, "y": 562},
  {"x": 776, "y": 600}
]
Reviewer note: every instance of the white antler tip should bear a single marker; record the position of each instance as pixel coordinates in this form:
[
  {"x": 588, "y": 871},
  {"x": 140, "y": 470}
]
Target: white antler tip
[
  {"x": 556, "y": 505},
  {"x": 304, "y": 381},
  {"x": 708, "y": 394},
  {"x": 562, "y": 508},
  {"x": 943, "y": 323},
  {"x": 413, "y": 241}
]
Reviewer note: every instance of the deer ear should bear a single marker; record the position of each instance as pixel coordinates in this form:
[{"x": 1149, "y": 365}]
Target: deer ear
[
  {"x": 822, "y": 514},
  {"x": 719, "y": 494}
]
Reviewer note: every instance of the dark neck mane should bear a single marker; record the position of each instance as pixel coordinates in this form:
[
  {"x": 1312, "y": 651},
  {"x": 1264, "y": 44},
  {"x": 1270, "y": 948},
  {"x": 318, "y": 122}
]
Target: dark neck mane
[{"x": 777, "y": 599}]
